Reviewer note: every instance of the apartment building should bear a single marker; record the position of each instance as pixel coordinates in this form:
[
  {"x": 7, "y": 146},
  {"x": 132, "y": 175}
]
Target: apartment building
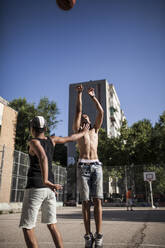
[{"x": 107, "y": 96}]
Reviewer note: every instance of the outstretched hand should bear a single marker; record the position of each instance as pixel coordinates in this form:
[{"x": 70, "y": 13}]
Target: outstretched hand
[
  {"x": 91, "y": 92},
  {"x": 79, "y": 88}
]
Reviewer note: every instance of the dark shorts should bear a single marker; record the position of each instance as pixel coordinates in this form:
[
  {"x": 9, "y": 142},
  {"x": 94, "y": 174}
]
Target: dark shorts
[{"x": 90, "y": 179}]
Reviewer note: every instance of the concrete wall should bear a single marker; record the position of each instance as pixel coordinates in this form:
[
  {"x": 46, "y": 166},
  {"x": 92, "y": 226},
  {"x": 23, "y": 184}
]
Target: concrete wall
[{"x": 7, "y": 141}]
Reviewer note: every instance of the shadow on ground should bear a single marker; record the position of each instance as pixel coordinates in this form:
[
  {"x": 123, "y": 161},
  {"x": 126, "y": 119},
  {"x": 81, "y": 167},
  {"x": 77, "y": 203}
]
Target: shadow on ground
[{"x": 122, "y": 215}]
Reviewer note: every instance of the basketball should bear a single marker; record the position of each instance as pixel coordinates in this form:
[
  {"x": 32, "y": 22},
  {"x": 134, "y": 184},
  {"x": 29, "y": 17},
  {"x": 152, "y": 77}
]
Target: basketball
[{"x": 65, "y": 4}]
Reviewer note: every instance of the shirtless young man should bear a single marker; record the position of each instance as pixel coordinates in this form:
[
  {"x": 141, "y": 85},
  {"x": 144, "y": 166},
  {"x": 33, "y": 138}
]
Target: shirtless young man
[
  {"x": 90, "y": 175},
  {"x": 40, "y": 188}
]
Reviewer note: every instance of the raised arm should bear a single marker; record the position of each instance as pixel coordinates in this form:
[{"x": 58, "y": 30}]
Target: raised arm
[
  {"x": 100, "y": 115},
  {"x": 77, "y": 119}
]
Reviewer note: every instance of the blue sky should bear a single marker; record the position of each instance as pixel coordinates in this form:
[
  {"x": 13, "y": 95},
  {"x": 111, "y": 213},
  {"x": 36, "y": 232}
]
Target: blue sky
[{"x": 43, "y": 49}]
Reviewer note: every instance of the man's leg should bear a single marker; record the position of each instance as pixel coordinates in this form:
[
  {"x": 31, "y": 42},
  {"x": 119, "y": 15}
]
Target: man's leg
[
  {"x": 30, "y": 238},
  {"x": 98, "y": 214},
  {"x": 131, "y": 205},
  {"x": 127, "y": 204},
  {"x": 31, "y": 204},
  {"x": 83, "y": 174},
  {"x": 86, "y": 215},
  {"x": 56, "y": 235},
  {"x": 98, "y": 221}
]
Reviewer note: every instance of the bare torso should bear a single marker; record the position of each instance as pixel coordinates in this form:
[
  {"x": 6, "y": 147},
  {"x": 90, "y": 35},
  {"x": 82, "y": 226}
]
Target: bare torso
[{"x": 88, "y": 145}]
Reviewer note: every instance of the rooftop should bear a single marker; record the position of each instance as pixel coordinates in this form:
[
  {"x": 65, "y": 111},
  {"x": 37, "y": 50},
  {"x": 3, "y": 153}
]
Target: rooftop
[{"x": 3, "y": 101}]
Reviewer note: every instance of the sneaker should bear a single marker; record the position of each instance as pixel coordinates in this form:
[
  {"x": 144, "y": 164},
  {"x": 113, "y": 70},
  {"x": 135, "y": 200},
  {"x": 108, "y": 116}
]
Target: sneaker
[
  {"x": 98, "y": 240},
  {"x": 88, "y": 240}
]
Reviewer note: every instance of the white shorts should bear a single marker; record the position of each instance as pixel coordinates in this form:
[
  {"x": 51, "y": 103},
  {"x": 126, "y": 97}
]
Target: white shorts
[
  {"x": 34, "y": 198},
  {"x": 129, "y": 202}
]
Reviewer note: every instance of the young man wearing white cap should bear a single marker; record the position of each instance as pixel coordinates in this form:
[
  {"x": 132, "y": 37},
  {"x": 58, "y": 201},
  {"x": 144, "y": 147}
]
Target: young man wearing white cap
[{"x": 40, "y": 189}]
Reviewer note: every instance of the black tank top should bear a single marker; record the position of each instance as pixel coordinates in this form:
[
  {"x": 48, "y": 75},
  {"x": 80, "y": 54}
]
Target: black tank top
[{"x": 34, "y": 174}]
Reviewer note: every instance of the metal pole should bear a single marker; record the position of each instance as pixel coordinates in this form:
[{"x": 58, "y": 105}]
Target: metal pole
[
  {"x": 126, "y": 187},
  {"x": 2, "y": 158},
  {"x": 58, "y": 181},
  {"x": 2, "y": 162},
  {"x": 65, "y": 187},
  {"x": 17, "y": 176},
  {"x": 76, "y": 186},
  {"x": 152, "y": 203}
]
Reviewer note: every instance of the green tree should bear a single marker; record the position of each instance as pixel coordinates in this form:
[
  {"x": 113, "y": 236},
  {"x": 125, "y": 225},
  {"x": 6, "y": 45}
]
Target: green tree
[
  {"x": 27, "y": 111},
  {"x": 134, "y": 151},
  {"x": 60, "y": 155},
  {"x": 158, "y": 140},
  {"x": 124, "y": 145},
  {"x": 109, "y": 155},
  {"x": 103, "y": 148},
  {"x": 159, "y": 183},
  {"x": 140, "y": 136},
  {"x": 71, "y": 181},
  {"x": 48, "y": 109}
]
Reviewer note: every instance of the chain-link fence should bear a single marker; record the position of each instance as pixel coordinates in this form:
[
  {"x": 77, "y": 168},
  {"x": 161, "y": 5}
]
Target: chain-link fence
[
  {"x": 19, "y": 177},
  {"x": 60, "y": 177},
  {"x": 117, "y": 180},
  {"x": 20, "y": 165}
]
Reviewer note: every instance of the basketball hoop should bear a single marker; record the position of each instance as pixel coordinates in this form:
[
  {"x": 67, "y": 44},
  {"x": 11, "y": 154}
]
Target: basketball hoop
[{"x": 149, "y": 176}]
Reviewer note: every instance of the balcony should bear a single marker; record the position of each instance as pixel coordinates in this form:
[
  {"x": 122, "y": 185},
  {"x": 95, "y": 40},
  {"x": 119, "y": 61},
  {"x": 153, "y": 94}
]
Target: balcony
[{"x": 112, "y": 110}]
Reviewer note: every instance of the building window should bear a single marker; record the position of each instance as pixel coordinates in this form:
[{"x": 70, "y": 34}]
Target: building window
[
  {"x": 112, "y": 119},
  {"x": 112, "y": 111}
]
